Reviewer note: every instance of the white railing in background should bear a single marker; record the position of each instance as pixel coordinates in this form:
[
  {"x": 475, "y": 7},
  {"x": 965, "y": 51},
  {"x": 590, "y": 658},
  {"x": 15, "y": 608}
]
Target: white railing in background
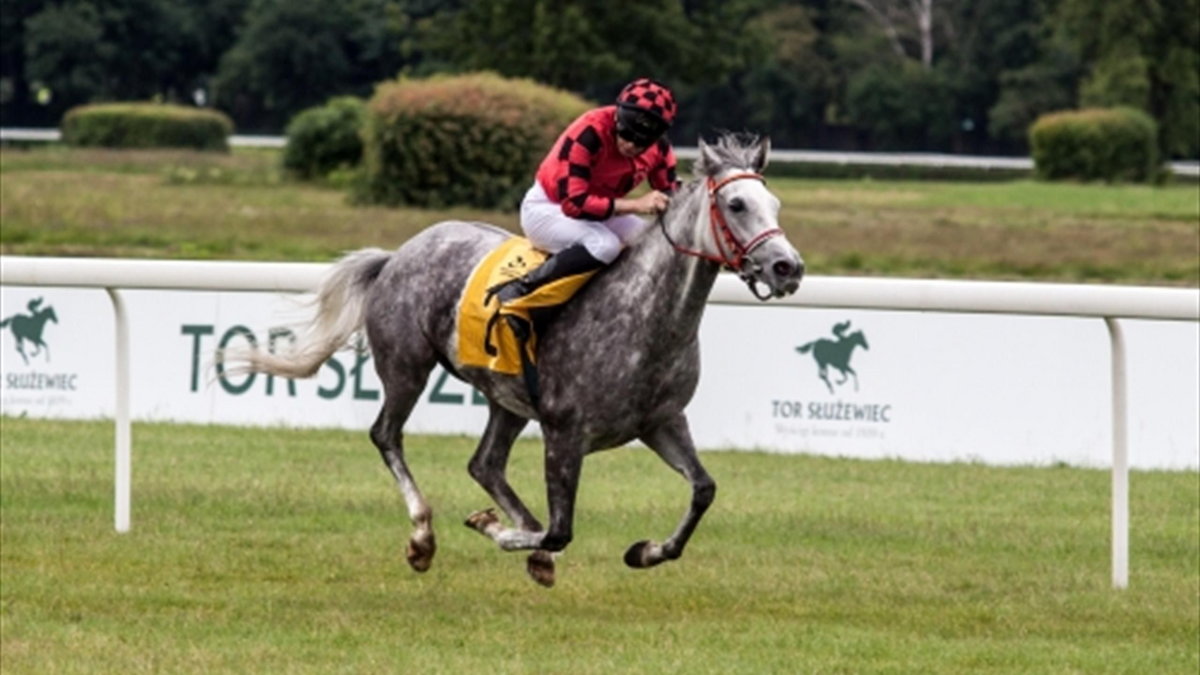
[
  {"x": 1104, "y": 302},
  {"x": 783, "y": 156},
  {"x": 26, "y": 135}
]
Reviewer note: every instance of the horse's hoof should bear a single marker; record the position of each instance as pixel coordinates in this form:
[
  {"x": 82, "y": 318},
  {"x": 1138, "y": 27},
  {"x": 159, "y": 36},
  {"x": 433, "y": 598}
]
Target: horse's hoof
[
  {"x": 540, "y": 566},
  {"x": 639, "y": 555},
  {"x": 420, "y": 552},
  {"x": 481, "y": 520}
]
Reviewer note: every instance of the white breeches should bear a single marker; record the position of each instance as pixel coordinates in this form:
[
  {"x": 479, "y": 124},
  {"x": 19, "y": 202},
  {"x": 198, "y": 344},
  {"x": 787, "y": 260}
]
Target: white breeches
[{"x": 552, "y": 230}]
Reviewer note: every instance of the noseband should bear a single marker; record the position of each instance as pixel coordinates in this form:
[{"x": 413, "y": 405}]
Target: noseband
[{"x": 733, "y": 252}]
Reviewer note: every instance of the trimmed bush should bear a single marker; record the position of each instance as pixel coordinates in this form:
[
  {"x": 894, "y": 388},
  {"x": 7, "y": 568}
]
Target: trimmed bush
[
  {"x": 146, "y": 125},
  {"x": 467, "y": 140},
  {"x": 1111, "y": 144},
  {"x": 325, "y": 138}
]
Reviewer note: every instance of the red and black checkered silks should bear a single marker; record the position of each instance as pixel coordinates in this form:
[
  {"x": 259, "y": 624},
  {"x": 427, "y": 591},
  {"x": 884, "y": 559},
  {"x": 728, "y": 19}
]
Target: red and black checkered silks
[
  {"x": 651, "y": 96},
  {"x": 585, "y": 172}
]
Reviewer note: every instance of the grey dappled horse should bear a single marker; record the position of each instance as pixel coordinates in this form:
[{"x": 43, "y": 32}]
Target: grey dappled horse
[{"x": 620, "y": 362}]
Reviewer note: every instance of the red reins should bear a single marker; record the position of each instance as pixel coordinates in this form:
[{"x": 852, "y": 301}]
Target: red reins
[{"x": 726, "y": 241}]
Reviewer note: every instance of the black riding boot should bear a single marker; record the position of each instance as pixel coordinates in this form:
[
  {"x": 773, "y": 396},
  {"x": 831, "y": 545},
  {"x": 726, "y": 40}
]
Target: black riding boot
[{"x": 572, "y": 260}]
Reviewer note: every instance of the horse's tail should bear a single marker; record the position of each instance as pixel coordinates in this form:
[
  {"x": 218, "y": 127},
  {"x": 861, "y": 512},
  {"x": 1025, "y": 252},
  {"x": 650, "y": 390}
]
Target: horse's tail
[
  {"x": 803, "y": 349},
  {"x": 341, "y": 311},
  {"x": 4, "y": 323}
]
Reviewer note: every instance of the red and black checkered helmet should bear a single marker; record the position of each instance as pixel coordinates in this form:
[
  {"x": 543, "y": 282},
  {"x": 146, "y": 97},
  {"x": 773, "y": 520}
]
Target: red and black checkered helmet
[{"x": 645, "y": 110}]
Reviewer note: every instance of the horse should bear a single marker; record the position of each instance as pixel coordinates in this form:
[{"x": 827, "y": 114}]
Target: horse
[
  {"x": 29, "y": 327},
  {"x": 837, "y": 354},
  {"x": 618, "y": 363}
]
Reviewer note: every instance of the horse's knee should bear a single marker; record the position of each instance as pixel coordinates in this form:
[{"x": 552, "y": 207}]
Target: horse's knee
[
  {"x": 476, "y": 469},
  {"x": 555, "y": 542},
  {"x": 480, "y": 470},
  {"x": 703, "y": 493},
  {"x": 379, "y": 435}
]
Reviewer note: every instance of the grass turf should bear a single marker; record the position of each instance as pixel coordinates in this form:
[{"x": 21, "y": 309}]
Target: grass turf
[
  {"x": 58, "y": 201},
  {"x": 271, "y": 550}
]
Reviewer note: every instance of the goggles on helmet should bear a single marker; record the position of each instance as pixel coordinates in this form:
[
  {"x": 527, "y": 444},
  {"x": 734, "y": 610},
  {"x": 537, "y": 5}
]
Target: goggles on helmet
[{"x": 638, "y": 126}]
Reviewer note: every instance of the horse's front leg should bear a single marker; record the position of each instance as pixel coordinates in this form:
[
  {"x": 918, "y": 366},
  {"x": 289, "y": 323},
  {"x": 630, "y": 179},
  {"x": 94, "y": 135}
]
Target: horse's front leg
[
  {"x": 673, "y": 443},
  {"x": 488, "y": 467},
  {"x": 564, "y": 458}
]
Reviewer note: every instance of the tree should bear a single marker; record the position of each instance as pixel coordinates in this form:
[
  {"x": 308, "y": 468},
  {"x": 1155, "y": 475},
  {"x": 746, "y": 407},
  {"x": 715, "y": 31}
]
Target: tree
[
  {"x": 17, "y": 105},
  {"x": 1142, "y": 54},
  {"x": 789, "y": 92},
  {"x": 996, "y": 47},
  {"x": 80, "y": 51},
  {"x": 1026, "y": 93},
  {"x": 84, "y": 51},
  {"x": 905, "y": 108},
  {"x": 294, "y": 54},
  {"x": 908, "y": 24},
  {"x": 700, "y": 48}
]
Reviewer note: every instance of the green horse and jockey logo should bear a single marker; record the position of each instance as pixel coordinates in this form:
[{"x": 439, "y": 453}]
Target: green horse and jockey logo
[
  {"x": 28, "y": 327},
  {"x": 836, "y": 353}
]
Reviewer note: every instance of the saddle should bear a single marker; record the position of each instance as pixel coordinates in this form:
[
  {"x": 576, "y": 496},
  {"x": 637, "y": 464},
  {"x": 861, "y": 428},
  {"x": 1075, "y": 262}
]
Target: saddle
[{"x": 503, "y": 338}]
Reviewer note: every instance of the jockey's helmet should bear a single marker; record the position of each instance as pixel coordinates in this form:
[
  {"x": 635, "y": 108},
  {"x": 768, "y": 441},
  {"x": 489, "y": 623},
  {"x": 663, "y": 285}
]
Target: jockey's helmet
[{"x": 645, "y": 110}]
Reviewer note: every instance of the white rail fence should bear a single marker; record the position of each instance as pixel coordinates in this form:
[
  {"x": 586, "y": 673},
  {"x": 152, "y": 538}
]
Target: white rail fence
[
  {"x": 783, "y": 156},
  {"x": 1102, "y": 302}
]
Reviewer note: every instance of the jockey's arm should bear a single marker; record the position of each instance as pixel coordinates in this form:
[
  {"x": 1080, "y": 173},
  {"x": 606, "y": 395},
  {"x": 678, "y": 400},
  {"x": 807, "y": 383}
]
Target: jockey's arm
[{"x": 648, "y": 204}]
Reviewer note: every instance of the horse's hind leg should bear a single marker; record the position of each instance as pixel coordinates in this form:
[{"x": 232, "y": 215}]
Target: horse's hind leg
[
  {"x": 387, "y": 434},
  {"x": 488, "y": 467},
  {"x": 673, "y": 443}
]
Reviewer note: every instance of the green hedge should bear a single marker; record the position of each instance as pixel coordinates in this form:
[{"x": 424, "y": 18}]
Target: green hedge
[
  {"x": 325, "y": 138},
  {"x": 1111, "y": 144},
  {"x": 470, "y": 140},
  {"x": 146, "y": 125}
]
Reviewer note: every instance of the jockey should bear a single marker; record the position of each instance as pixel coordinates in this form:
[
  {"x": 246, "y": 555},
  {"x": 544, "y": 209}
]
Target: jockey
[{"x": 576, "y": 209}]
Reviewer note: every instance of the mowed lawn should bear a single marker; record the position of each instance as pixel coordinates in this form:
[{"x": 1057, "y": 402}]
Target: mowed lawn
[
  {"x": 281, "y": 551},
  {"x": 172, "y": 204}
]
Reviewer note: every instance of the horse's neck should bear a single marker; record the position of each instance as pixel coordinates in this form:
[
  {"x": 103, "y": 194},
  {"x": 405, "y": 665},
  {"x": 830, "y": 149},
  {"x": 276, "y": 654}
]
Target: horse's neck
[{"x": 674, "y": 287}]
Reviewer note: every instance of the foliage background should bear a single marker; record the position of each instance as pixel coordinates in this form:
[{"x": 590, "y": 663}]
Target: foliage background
[{"x": 945, "y": 75}]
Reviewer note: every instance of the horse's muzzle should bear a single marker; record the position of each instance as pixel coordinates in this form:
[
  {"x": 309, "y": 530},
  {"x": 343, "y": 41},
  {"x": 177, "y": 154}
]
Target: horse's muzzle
[{"x": 781, "y": 269}]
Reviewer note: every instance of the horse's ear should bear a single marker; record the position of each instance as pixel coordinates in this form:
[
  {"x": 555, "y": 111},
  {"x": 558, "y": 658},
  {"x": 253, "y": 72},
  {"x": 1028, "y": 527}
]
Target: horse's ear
[
  {"x": 760, "y": 157},
  {"x": 707, "y": 166}
]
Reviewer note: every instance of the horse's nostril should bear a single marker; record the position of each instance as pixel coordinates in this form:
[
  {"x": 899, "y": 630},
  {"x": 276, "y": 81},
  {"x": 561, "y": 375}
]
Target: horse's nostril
[{"x": 782, "y": 268}]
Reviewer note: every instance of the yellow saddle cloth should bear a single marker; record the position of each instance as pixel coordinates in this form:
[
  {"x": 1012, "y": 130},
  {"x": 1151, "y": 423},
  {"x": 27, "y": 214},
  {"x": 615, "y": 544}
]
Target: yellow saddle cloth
[{"x": 484, "y": 338}]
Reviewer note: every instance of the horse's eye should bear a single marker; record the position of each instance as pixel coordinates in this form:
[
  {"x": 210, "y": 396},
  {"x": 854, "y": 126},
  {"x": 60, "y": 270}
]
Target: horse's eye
[{"x": 737, "y": 205}]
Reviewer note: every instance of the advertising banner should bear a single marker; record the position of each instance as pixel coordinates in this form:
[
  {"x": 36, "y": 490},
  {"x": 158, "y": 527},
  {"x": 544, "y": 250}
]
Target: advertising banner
[{"x": 998, "y": 389}]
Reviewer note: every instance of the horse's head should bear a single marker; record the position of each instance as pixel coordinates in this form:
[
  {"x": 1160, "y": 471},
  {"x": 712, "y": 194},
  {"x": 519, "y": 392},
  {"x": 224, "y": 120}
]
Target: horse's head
[
  {"x": 49, "y": 314},
  {"x": 857, "y": 338},
  {"x": 744, "y": 215}
]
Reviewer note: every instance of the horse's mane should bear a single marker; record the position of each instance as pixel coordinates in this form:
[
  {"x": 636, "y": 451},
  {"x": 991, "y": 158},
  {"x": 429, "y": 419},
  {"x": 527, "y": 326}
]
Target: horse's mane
[{"x": 732, "y": 150}]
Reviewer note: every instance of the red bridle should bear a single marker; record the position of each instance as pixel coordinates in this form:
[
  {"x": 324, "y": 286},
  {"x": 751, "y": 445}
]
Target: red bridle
[{"x": 726, "y": 241}]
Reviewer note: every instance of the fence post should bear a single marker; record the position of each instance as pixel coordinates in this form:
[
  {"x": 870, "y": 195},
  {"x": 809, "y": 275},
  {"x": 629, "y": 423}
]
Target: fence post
[
  {"x": 1120, "y": 459},
  {"x": 123, "y": 461}
]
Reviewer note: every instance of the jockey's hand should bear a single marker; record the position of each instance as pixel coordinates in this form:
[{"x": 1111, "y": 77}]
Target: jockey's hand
[
  {"x": 658, "y": 201},
  {"x": 649, "y": 204}
]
